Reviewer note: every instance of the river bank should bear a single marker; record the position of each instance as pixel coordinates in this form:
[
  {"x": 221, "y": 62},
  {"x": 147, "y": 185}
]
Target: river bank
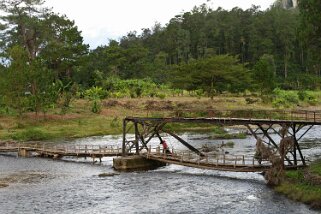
[
  {"x": 79, "y": 121},
  {"x": 303, "y": 185}
]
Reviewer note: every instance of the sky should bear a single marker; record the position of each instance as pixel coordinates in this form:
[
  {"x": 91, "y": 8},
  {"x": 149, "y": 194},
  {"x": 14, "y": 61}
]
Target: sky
[{"x": 101, "y": 20}]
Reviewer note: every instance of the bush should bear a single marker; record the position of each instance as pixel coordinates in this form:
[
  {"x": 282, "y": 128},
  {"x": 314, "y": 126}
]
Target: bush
[
  {"x": 308, "y": 97},
  {"x": 285, "y": 99},
  {"x": 230, "y": 144},
  {"x": 302, "y": 95},
  {"x": 161, "y": 95},
  {"x": 31, "y": 134},
  {"x": 96, "y": 107},
  {"x": 133, "y": 88},
  {"x": 95, "y": 93},
  {"x": 250, "y": 100}
]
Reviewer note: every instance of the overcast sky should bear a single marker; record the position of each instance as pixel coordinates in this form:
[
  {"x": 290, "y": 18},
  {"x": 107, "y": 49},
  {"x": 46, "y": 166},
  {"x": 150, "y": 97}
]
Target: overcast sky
[{"x": 100, "y": 20}]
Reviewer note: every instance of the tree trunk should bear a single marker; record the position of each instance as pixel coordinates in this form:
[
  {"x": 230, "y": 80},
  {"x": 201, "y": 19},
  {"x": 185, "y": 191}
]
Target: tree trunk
[{"x": 285, "y": 65}]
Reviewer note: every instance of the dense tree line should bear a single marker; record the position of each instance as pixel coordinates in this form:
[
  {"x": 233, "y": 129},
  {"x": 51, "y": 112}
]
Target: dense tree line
[
  {"x": 203, "y": 32},
  {"x": 45, "y": 62}
]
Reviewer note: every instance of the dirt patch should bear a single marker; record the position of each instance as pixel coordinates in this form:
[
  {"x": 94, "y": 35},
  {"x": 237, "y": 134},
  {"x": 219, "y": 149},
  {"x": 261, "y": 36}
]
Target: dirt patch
[
  {"x": 158, "y": 105},
  {"x": 109, "y": 112},
  {"x": 312, "y": 178},
  {"x": 34, "y": 116},
  {"x": 111, "y": 103}
]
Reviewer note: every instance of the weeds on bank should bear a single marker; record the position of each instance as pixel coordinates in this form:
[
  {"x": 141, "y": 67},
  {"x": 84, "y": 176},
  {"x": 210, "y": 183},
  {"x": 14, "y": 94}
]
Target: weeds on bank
[
  {"x": 299, "y": 188},
  {"x": 306, "y": 193},
  {"x": 316, "y": 167}
]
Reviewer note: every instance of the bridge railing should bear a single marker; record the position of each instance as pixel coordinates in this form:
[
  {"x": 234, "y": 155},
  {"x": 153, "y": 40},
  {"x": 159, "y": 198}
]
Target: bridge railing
[
  {"x": 300, "y": 115},
  {"x": 80, "y": 149},
  {"x": 217, "y": 159},
  {"x": 83, "y": 149}
]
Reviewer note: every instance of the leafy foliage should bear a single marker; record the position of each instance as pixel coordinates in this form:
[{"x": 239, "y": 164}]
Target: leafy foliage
[
  {"x": 264, "y": 74},
  {"x": 205, "y": 51},
  {"x": 214, "y": 75},
  {"x": 285, "y": 98}
]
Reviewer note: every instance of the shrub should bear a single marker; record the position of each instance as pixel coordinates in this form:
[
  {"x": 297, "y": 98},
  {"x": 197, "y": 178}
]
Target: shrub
[
  {"x": 96, "y": 107},
  {"x": 31, "y": 134},
  {"x": 302, "y": 95},
  {"x": 161, "y": 95},
  {"x": 230, "y": 144},
  {"x": 284, "y": 99},
  {"x": 250, "y": 100},
  {"x": 95, "y": 93}
]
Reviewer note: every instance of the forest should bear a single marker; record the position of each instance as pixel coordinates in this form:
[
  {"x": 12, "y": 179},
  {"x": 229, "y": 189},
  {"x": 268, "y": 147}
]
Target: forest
[{"x": 45, "y": 63}]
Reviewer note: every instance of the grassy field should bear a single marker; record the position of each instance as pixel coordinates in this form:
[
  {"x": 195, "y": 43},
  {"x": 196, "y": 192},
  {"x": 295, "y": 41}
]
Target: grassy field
[{"x": 79, "y": 121}]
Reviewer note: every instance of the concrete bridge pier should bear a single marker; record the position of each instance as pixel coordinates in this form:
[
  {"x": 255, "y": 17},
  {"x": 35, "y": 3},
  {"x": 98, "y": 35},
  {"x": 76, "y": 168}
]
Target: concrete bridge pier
[
  {"x": 136, "y": 162},
  {"x": 23, "y": 153}
]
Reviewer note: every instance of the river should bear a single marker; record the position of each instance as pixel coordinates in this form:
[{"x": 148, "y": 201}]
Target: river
[{"x": 73, "y": 186}]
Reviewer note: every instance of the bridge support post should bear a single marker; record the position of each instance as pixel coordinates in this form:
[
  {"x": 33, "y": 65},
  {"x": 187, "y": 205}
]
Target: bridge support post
[
  {"x": 136, "y": 138},
  {"x": 135, "y": 162},
  {"x": 296, "y": 145},
  {"x": 124, "y": 138},
  {"x": 23, "y": 153}
]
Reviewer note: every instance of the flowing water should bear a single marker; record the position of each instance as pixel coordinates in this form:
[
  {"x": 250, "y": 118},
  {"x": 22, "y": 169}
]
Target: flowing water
[{"x": 73, "y": 186}]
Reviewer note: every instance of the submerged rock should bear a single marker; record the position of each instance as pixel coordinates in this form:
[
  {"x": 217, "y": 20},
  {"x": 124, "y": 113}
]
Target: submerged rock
[
  {"x": 2, "y": 185},
  {"x": 107, "y": 174}
]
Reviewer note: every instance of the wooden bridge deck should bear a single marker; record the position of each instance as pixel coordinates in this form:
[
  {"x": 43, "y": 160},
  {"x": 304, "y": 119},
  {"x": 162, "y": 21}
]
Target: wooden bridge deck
[
  {"x": 204, "y": 164},
  {"x": 58, "y": 151},
  {"x": 212, "y": 161},
  {"x": 222, "y": 162}
]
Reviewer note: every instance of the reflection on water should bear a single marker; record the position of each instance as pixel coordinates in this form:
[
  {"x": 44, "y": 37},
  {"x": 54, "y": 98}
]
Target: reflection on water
[{"x": 73, "y": 185}]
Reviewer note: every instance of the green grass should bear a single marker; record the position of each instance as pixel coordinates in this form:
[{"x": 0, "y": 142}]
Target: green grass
[
  {"x": 59, "y": 129},
  {"x": 193, "y": 127},
  {"x": 295, "y": 175},
  {"x": 80, "y": 122},
  {"x": 297, "y": 188},
  {"x": 31, "y": 134},
  {"x": 305, "y": 193},
  {"x": 316, "y": 167},
  {"x": 228, "y": 136},
  {"x": 230, "y": 144}
]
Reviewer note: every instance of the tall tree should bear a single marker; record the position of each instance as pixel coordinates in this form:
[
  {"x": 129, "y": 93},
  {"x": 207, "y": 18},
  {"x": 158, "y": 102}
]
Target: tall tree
[
  {"x": 63, "y": 47},
  {"x": 311, "y": 28},
  {"x": 214, "y": 75},
  {"x": 52, "y": 42},
  {"x": 264, "y": 74},
  {"x": 15, "y": 79},
  {"x": 22, "y": 25}
]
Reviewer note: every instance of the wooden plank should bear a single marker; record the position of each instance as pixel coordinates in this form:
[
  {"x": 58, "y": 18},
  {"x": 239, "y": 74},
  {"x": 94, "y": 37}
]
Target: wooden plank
[{"x": 201, "y": 165}]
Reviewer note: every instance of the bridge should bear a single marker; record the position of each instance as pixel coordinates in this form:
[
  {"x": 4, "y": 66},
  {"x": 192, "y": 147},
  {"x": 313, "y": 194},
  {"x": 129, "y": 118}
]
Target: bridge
[
  {"x": 59, "y": 151},
  {"x": 295, "y": 124}
]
